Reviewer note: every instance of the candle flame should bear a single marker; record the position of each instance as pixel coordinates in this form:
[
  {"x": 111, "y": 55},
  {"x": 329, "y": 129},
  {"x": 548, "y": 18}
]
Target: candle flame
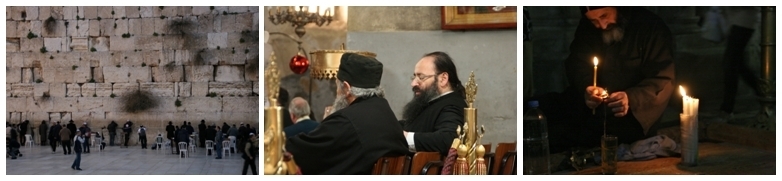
[
  {"x": 681, "y": 90},
  {"x": 595, "y": 61}
]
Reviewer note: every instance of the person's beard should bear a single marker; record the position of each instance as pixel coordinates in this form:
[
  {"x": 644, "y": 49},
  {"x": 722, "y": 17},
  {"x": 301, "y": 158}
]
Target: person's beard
[
  {"x": 613, "y": 33},
  {"x": 419, "y": 102},
  {"x": 339, "y": 103}
]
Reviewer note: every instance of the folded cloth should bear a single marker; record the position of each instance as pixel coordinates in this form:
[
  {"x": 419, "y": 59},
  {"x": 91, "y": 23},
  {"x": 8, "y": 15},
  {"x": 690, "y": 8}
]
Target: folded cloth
[{"x": 647, "y": 149}]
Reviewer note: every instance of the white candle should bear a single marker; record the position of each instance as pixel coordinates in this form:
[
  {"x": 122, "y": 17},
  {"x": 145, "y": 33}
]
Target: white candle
[
  {"x": 689, "y": 104},
  {"x": 594, "y": 79}
]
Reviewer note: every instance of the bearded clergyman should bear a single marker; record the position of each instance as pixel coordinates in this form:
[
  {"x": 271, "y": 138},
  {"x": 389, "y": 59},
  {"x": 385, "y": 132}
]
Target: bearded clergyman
[{"x": 430, "y": 119}]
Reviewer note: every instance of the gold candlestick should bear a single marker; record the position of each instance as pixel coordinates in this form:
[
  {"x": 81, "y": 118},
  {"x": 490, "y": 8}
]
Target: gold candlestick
[
  {"x": 471, "y": 137},
  {"x": 274, "y": 138}
]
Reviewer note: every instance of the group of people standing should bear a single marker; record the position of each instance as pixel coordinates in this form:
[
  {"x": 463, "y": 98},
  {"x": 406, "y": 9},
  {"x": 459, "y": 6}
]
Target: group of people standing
[{"x": 245, "y": 135}]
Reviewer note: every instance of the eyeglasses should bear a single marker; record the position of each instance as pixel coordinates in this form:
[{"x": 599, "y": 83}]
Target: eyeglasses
[{"x": 422, "y": 77}]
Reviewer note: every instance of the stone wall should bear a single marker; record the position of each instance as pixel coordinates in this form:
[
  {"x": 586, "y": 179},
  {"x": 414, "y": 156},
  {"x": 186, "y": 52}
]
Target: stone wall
[{"x": 95, "y": 55}]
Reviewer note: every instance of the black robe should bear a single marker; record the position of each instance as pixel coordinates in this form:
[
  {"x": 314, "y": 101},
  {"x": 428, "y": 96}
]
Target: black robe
[
  {"x": 350, "y": 140},
  {"x": 435, "y": 127}
]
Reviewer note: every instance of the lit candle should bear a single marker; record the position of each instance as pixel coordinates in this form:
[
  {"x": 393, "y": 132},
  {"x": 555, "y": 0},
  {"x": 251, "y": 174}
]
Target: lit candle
[
  {"x": 689, "y": 104},
  {"x": 594, "y": 79}
]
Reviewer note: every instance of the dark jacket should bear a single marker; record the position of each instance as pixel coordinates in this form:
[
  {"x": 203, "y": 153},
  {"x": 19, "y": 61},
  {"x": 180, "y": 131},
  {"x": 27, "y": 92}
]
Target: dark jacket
[
  {"x": 112, "y": 127},
  {"x": 303, "y": 126},
  {"x": 435, "y": 127},
  {"x": 351, "y": 140}
]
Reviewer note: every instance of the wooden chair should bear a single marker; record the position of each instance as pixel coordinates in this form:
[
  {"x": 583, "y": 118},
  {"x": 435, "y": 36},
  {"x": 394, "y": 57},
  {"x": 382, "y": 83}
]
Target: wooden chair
[
  {"x": 437, "y": 165},
  {"x": 420, "y": 159},
  {"x": 391, "y": 165},
  {"x": 502, "y": 149},
  {"x": 506, "y": 159}
]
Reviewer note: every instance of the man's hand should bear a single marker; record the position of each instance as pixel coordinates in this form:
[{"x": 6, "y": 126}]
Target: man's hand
[
  {"x": 592, "y": 96},
  {"x": 619, "y": 103},
  {"x": 405, "y": 132}
]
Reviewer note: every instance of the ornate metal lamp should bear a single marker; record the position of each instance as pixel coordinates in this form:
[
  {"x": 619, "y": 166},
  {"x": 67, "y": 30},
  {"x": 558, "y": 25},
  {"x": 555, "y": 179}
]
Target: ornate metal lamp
[
  {"x": 470, "y": 150},
  {"x": 325, "y": 63},
  {"x": 300, "y": 17}
]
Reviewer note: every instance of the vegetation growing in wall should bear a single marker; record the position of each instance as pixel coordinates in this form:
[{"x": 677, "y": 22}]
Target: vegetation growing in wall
[
  {"x": 112, "y": 95},
  {"x": 252, "y": 65},
  {"x": 74, "y": 67},
  {"x": 31, "y": 35},
  {"x": 211, "y": 94},
  {"x": 170, "y": 66},
  {"x": 177, "y": 103},
  {"x": 252, "y": 36},
  {"x": 38, "y": 80},
  {"x": 138, "y": 101},
  {"x": 43, "y": 50},
  {"x": 93, "y": 49}
]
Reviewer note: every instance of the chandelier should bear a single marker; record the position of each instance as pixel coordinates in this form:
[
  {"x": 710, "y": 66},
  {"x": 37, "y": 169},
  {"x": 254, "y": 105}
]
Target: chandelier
[{"x": 303, "y": 16}]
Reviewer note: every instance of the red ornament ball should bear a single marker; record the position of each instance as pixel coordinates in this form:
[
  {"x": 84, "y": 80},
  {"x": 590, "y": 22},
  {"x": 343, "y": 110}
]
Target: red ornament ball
[{"x": 299, "y": 64}]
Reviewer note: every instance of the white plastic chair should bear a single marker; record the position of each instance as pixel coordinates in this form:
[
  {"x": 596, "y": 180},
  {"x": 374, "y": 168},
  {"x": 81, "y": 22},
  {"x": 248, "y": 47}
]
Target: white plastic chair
[
  {"x": 183, "y": 149},
  {"x": 159, "y": 143},
  {"x": 29, "y": 140},
  {"x": 233, "y": 143},
  {"x": 192, "y": 145},
  {"x": 226, "y": 147},
  {"x": 99, "y": 141},
  {"x": 209, "y": 146}
]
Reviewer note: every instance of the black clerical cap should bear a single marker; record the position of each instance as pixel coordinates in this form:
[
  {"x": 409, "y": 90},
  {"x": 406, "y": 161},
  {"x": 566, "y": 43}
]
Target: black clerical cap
[
  {"x": 360, "y": 71},
  {"x": 585, "y": 9}
]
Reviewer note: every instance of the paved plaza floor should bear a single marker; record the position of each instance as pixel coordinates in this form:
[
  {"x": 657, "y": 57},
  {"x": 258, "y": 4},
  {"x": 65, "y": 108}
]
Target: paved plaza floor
[{"x": 115, "y": 160}]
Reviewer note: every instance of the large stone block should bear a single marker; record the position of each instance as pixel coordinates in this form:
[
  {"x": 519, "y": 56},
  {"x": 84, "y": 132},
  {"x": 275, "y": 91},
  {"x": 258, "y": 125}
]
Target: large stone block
[
  {"x": 13, "y": 75},
  {"x": 148, "y": 27},
  {"x": 103, "y": 89},
  {"x": 256, "y": 87},
  {"x": 217, "y": 39},
  {"x": 62, "y": 74},
  {"x": 122, "y": 27},
  {"x": 57, "y": 29},
  {"x": 183, "y": 89},
  {"x": 165, "y": 74},
  {"x": 22, "y": 28},
  {"x": 105, "y": 12},
  {"x": 57, "y": 117},
  {"x": 162, "y": 89},
  {"x": 168, "y": 11},
  {"x": 240, "y": 104},
  {"x": 79, "y": 28},
  {"x": 30, "y": 59},
  {"x": 199, "y": 73},
  {"x": 38, "y": 73},
  {"x": 132, "y": 12},
  {"x": 40, "y": 104},
  {"x": 57, "y": 89},
  {"x": 147, "y": 11},
  {"x": 30, "y": 45},
  {"x": 35, "y": 27},
  {"x": 65, "y": 104},
  {"x": 14, "y": 12},
  {"x": 160, "y": 26},
  {"x": 238, "y": 9},
  {"x": 83, "y": 73},
  {"x": 22, "y": 89},
  {"x": 220, "y": 9},
  {"x": 232, "y": 56},
  {"x": 119, "y": 43},
  {"x": 14, "y": 60},
  {"x": 91, "y": 104},
  {"x": 201, "y": 104},
  {"x": 97, "y": 74},
  {"x": 206, "y": 24},
  {"x": 27, "y": 75},
  {"x": 201, "y": 10},
  {"x": 251, "y": 72},
  {"x": 10, "y": 29},
  {"x": 173, "y": 42},
  {"x": 88, "y": 90},
  {"x": 70, "y": 12},
  {"x": 40, "y": 88},
  {"x": 121, "y": 89},
  {"x": 199, "y": 89},
  {"x": 152, "y": 58},
  {"x": 12, "y": 45},
  {"x": 101, "y": 44},
  {"x": 149, "y": 43},
  {"x": 131, "y": 58},
  {"x": 231, "y": 88},
  {"x": 229, "y": 73},
  {"x": 113, "y": 74},
  {"x": 90, "y": 12},
  {"x": 134, "y": 26},
  {"x": 32, "y": 12},
  {"x": 228, "y": 23},
  {"x": 80, "y": 44},
  {"x": 14, "y": 104},
  {"x": 73, "y": 90},
  {"x": 107, "y": 27},
  {"x": 8, "y": 90},
  {"x": 254, "y": 9},
  {"x": 244, "y": 21},
  {"x": 54, "y": 44},
  {"x": 195, "y": 41},
  {"x": 40, "y": 116},
  {"x": 119, "y": 12},
  {"x": 139, "y": 74},
  {"x": 95, "y": 28},
  {"x": 97, "y": 59},
  {"x": 239, "y": 117}
]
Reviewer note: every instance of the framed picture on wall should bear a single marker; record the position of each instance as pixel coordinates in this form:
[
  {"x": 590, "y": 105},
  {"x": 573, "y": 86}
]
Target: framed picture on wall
[{"x": 478, "y": 17}]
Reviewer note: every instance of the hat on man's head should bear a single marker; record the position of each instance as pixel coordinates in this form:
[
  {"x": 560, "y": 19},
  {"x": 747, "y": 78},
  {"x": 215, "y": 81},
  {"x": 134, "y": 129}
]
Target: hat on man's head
[
  {"x": 360, "y": 71},
  {"x": 585, "y": 9}
]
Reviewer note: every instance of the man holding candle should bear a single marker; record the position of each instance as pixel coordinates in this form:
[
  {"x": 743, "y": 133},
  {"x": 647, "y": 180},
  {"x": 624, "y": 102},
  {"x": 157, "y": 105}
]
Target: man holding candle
[{"x": 626, "y": 51}]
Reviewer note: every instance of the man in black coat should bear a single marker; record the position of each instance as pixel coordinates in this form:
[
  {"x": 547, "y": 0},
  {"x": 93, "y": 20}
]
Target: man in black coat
[
  {"x": 634, "y": 51},
  {"x": 54, "y": 136},
  {"x": 23, "y": 131},
  {"x": 112, "y": 132},
  {"x": 71, "y": 127},
  {"x": 361, "y": 128},
  {"x": 182, "y": 136},
  {"x": 170, "y": 130},
  {"x": 225, "y": 128},
  {"x": 202, "y": 133},
  {"x": 127, "y": 129},
  {"x": 437, "y": 107},
  {"x": 43, "y": 129}
]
